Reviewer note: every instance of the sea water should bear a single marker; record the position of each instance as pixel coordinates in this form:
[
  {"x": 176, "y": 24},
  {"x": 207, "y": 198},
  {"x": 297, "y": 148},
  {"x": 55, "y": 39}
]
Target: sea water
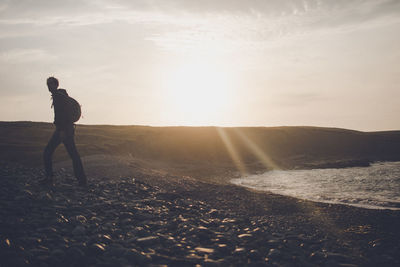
[{"x": 373, "y": 187}]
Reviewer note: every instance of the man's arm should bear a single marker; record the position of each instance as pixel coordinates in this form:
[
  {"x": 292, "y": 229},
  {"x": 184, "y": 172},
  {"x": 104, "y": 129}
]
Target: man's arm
[{"x": 61, "y": 116}]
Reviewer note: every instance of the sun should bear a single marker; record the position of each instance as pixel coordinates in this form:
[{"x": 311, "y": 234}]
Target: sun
[{"x": 200, "y": 93}]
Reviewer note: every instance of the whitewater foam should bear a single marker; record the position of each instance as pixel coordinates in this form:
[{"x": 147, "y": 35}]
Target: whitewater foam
[{"x": 374, "y": 187}]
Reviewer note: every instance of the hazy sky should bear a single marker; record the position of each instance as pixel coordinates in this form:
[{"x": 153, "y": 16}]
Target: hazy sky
[{"x": 210, "y": 62}]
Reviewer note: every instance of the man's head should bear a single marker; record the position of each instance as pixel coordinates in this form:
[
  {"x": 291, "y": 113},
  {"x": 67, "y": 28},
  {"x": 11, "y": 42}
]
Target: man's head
[{"x": 52, "y": 83}]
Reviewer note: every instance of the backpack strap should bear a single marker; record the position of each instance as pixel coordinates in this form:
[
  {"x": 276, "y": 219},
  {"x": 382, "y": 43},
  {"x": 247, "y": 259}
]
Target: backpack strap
[{"x": 58, "y": 92}]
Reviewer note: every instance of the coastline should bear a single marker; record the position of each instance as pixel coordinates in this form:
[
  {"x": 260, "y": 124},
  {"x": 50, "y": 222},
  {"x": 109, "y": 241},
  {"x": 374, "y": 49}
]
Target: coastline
[
  {"x": 148, "y": 217},
  {"x": 373, "y": 187}
]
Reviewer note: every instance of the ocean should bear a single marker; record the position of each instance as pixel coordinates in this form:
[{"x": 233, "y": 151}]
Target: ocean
[{"x": 373, "y": 187}]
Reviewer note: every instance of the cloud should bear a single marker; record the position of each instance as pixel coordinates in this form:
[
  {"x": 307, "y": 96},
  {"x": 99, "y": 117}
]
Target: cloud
[
  {"x": 226, "y": 26},
  {"x": 329, "y": 13},
  {"x": 223, "y": 26},
  {"x": 25, "y": 55}
]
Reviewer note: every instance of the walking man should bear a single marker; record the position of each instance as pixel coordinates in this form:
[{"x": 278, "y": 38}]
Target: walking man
[{"x": 64, "y": 133}]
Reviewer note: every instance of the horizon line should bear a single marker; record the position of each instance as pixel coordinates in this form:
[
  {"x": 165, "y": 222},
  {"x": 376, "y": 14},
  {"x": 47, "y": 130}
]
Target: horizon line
[{"x": 209, "y": 126}]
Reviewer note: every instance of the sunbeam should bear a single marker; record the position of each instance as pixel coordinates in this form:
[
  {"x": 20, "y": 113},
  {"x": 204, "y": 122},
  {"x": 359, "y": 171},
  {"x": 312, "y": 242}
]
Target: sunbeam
[
  {"x": 261, "y": 155},
  {"x": 232, "y": 151}
]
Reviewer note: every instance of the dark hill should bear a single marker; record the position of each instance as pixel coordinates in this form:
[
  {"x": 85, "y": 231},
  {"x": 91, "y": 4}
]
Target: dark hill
[{"x": 204, "y": 150}]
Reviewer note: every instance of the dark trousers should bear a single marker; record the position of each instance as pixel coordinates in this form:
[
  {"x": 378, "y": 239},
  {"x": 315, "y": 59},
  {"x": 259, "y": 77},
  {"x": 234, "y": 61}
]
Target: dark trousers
[{"x": 67, "y": 138}]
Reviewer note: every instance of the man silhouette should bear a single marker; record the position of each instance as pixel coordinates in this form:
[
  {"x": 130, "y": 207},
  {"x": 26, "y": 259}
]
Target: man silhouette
[{"x": 64, "y": 133}]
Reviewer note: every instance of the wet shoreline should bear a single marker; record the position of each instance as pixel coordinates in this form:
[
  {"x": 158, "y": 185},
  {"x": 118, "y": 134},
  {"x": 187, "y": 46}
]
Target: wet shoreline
[{"x": 373, "y": 187}]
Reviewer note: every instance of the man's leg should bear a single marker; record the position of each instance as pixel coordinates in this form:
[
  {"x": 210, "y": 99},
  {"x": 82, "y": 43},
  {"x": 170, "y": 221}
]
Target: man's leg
[
  {"x": 69, "y": 144},
  {"x": 54, "y": 141}
]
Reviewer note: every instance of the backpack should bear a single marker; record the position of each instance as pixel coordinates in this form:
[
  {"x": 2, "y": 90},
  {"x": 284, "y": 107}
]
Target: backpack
[{"x": 72, "y": 107}]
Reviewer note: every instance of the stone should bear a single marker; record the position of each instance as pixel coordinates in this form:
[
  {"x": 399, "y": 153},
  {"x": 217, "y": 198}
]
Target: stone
[
  {"x": 58, "y": 253},
  {"x": 148, "y": 240},
  {"x": 135, "y": 257},
  {"x": 317, "y": 256},
  {"x": 80, "y": 218},
  {"x": 245, "y": 236},
  {"x": 254, "y": 255},
  {"x": 79, "y": 231},
  {"x": 204, "y": 250},
  {"x": 239, "y": 251},
  {"x": 75, "y": 253},
  {"x": 336, "y": 256},
  {"x": 274, "y": 253},
  {"x": 116, "y": 250},
  {"x": 96, "y": 249}
]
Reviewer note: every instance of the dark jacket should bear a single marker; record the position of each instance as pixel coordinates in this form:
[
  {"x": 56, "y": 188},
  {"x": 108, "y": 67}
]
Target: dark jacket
[{"x": 62, "y": 119}]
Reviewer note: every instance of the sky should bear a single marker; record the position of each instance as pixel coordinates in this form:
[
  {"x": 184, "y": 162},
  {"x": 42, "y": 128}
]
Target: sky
[{"x": 210, "y": 62}]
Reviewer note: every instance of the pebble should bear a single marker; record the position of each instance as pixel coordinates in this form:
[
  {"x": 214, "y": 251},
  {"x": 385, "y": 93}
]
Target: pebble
[
  {"x": 147, "y": 240},
  {"x": 239, "y": 251},
  {"x": 75, "y": 253},
  {"x": 134, "y": 256},
  {"x": 274, "y": 253},
  {"x": 58, "y": 253},
  {"x": 204, "y": 250},
  {"x": 244, "y": 236},
  {"x": 317, "y": 256},
  {"x": 80, "y": 218},
  {"x": 96, "y": 249},
  {"x": 79, "y": 231}
]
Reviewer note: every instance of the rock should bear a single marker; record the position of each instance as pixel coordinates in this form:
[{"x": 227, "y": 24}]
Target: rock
[
  {"x": 80, "y": 218},
  {"x": 127, "y": 221},
  {"x": 336, "y": 257},
  {"x": 106, "y": 238},
  {"x": 134, "y": 256},
  {"x": 115, "y": 250},
  {"x": 254, "y": 255},
  {"x": 142, "y": 216},
  {"x": 79, "y": 231},
  {"x": 75, "y": 253},
  {"x": 228, "y": 220},
  {"x": 45, "y": 197},
  {"x": 317, "y": 256},
  {"x": 203, "y": 233},
  {"x": 141, "y": 232},
  {"x": 57, "y": 257},
  {"x": 95, "y": 220},
  {"x": 204, "y": 250},
  {"x": 27, "y": 192},
  {"x": 245, "y": 236},
  {"x": 96, "y": 249},
  {"x": 274, "y": 253},
  {"x": 39, "y": 251},
  {"x": 14, "y": 261},
  {"x": 213, "y": 212},
  {"x": 58, "y": 253},
  {"x": 223, "y": 248},
  {"x": 7, "y": 242},
  {"x": 239, "y": 251},
  {"x": 125, "y": 215},
  {"x": 148, "y": 240}
]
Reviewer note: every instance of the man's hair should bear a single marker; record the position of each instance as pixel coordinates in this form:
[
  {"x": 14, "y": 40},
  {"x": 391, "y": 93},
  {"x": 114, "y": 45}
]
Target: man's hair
[{"x": 52, "y": 80}]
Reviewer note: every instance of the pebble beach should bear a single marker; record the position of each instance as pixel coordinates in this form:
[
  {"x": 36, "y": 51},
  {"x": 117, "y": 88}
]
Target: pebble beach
[{"x": 130, "y": 221}]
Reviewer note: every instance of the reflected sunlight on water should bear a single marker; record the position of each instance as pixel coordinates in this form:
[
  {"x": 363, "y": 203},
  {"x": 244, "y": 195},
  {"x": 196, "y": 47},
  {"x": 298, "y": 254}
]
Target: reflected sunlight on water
[{"x": 374, "y": 187}]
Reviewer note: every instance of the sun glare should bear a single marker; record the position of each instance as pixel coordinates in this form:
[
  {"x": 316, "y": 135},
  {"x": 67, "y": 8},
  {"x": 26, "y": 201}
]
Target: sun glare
[{"x": 200, "y": 93}]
